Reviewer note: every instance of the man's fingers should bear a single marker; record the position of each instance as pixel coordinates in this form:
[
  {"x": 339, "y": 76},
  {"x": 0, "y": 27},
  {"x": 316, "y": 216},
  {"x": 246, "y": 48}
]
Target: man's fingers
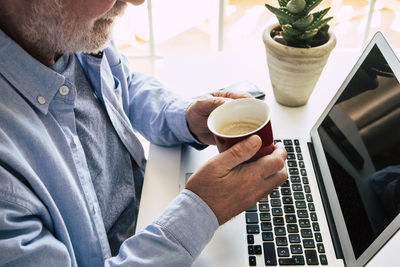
[
  {"x": 240, "y": 152},
  {"x": 276, "y": 179},
  {"x": 273, "y": 162},
  {"x": 266, "y": 167},
  {"x": 207, "y": 104},
  {"x": 231, "y": 94}
]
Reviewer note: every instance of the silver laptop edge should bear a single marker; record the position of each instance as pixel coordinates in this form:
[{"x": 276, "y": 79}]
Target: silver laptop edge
[{"x": 339, "y": 221}]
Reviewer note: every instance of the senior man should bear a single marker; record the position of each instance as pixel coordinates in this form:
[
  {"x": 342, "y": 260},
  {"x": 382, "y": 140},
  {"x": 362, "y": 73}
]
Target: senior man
[{"x": 71, "y": 167}]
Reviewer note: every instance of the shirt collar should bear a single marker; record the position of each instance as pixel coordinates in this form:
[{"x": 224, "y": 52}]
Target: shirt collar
[{"x": 36, "y": 82}]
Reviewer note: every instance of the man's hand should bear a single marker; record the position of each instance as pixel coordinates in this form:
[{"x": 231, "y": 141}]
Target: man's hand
[
  {"x": 197, "y": 113},
  {"x": 229, "y": 185}
]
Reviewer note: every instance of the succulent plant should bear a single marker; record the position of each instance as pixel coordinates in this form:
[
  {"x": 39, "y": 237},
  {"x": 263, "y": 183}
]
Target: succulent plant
[{"x": 299, "y": 26}]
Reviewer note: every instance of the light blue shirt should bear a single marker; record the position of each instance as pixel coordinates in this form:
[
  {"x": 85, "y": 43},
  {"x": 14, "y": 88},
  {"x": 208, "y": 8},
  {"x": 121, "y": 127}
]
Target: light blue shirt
[{"x": 49, "y": 211}]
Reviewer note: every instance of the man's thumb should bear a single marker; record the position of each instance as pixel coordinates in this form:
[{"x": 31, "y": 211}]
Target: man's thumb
[{"x": 241, "y": 152}]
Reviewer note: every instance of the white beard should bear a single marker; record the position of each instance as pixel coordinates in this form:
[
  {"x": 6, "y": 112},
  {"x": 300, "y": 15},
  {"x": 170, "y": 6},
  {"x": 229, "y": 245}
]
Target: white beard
[{"x": 50, "y": 28}]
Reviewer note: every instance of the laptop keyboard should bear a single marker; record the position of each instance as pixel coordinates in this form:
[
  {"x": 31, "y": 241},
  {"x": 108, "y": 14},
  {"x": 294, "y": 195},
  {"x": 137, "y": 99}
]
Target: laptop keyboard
[{"x": 286, "y": 220}]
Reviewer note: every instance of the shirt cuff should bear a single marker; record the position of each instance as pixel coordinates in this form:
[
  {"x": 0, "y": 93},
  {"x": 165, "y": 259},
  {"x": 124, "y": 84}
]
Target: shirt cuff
[
  {"x": 190, "y": 221},
  {"x": 176, "y": 117}
]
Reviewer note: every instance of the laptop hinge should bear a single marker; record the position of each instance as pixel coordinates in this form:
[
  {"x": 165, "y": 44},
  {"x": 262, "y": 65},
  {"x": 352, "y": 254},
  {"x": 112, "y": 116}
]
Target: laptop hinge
[{"x": 325, "y": 202}]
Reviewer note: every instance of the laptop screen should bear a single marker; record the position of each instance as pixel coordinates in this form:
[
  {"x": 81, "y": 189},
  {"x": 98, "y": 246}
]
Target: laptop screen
[{"x": 360, "y": 137}]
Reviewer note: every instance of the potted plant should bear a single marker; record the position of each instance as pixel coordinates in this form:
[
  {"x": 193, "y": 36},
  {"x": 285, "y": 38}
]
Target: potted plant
[{"x": 297, "y": 49}]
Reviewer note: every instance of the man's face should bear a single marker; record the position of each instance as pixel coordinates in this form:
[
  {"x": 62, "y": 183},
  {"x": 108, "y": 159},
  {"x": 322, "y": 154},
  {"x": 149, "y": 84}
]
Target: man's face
[{"x": 62, "y": 26}]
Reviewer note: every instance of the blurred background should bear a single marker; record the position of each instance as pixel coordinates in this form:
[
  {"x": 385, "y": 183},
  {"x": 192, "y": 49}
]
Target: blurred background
[{"x": 148, "y": 32}]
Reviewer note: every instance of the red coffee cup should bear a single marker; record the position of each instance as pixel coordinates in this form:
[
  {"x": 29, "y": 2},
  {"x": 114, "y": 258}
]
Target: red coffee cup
[{"x": 237, "y": 120}]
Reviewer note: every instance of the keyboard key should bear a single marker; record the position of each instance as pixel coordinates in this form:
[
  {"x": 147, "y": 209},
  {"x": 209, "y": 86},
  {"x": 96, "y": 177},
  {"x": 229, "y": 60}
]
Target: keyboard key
[
  {"x": 320, "y": 248},
  {"x": 308, "y": 243},
  {"x": 286, "y": 191},
  {"x": 298, "y": 149},
  {"x": 276, "y": 202},
  {"x": 267, "y": 236},
  {"x": 266, "y": 226},
  {"x": 293, "y": 171},
  {"x": 286, "y": 184},
  {"x": 257, "y": 250},
  {"x": 269, "y": 253},
  {"x": 287, "y": 142},
  {"x": 250, "y": 239},
  {"x": 304, "y": 223},
  {"x": 277, "y": 212},
  {"x": 305, "y": 181},
  {"x": 303, "y": 172},
  {"x": 311, "y": 257},
  {"x": 250, "y": 250},
  {"x": 291, "y": 163},
  {"x": 296, "y": 142},
  {"x": 292, "y": 228},
  {"x": 251, "y": 217},
  {"x": 289, "y": 208},
  {"x": 323, "y": 259},
  {"x": 302, "y": 214},
  {"x": 295, "y": 179},
  {"x": 252, "y": 261},
  {"x": 297, "y": 187},
  {"x": 283, "y": 252},
  {"x": 274, "y": 193},
  {"x": 277, "y": 141},
  {"x": 253, "y": 229},
  {"x": 254, "y": 208},
  {"x": 265, "y": 216},
  {"x": 313, "y": 216},
  {"x": 287, "y": 200},
  {"x": 315, "y": 226},
  {"x": 299, "y": 156},
  {"x": 296, "y": 249},
  {"x": 311, "y": 207},
  {"x": 301, "y": 164},
  {"x": 306, "y": 233},
  {"x": 294, "y": 238},
  {"x": 295, "y": 260},
  {"x": 300, "y": 204},
  {"x": 309, "y": 198},
  {"x": 318, "y": 237},
  {"x": 281, "y": 241},
  {"x": 263, "y": 207},
  {"x": 290, "y": 218},
  {"x": 307, "y": 188},
  {"x": 290, "y": 156},
  {"x": 289, "y": 149},
  {"x": 298, "y": 195},
  {"x": 279, "y": 231},
  {"x": 278, "y": 221}
]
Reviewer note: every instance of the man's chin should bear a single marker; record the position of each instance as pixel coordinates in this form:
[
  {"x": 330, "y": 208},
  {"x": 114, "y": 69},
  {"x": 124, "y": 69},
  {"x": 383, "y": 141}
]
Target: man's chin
[{"x": 91, "y": 44}]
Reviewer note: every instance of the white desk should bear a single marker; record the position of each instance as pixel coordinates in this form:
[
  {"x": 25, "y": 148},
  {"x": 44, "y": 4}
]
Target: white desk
[{"x": 191, "y": 74}]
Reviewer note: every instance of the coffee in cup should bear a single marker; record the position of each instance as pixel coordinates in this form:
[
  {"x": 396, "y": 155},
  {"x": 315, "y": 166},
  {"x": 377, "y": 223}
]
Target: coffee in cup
[{"x": 237, "y": 120}]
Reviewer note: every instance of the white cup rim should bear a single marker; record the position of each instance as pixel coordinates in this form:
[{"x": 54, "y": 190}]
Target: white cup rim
[{"x": 211, "y": 117}]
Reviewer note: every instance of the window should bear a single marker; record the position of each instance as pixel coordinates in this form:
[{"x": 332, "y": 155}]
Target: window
[{"x": 147, "y": 32}]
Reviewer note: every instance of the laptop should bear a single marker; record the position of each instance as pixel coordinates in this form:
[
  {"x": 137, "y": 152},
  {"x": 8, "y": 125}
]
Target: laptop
[{"x": 341, "y": 202}]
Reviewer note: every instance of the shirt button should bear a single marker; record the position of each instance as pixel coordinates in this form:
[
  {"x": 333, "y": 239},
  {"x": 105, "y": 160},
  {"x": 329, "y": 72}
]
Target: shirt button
[
  {"x": 76, "y": 140},
  {"x": 41, "y": 100},
  {"x": 64, "y": 90}
]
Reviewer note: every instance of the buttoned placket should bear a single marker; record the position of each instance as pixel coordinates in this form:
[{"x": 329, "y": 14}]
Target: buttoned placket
[{"x": 68, "y": 91}]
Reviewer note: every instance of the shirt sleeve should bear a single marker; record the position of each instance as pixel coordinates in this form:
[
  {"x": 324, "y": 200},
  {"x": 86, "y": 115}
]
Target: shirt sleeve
[
  {"x": 175, "y": 238},
  {"x": 25, "y": 240},
  {"x": 153, "y": 110}
]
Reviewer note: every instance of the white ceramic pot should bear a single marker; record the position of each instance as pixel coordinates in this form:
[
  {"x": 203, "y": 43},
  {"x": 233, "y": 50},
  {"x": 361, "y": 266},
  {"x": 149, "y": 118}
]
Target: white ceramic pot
[{"x": 295, "y": 71}]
